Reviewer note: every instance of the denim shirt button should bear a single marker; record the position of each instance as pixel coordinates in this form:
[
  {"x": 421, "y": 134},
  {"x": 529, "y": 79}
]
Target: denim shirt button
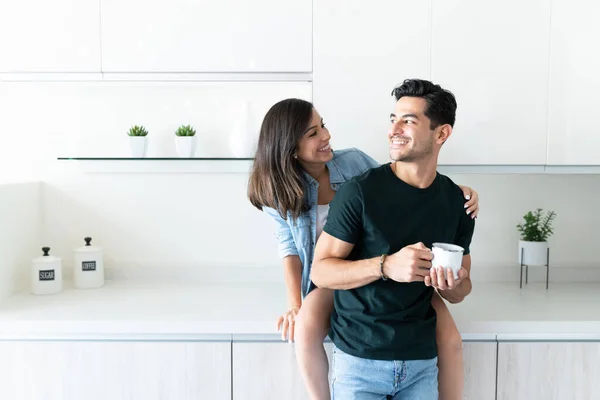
[{"x": 334, "y": 186}]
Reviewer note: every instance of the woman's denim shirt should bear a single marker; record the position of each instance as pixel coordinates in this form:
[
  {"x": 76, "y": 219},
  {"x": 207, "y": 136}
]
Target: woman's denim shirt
[{"x": 298, "y": 237}]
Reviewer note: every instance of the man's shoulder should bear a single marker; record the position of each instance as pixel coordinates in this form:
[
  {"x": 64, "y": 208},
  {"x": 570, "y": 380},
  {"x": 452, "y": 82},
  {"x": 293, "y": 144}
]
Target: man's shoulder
[
  {"x": 450, "y": 187},
  {"x": 370, "y": 177},
  {"x": 453, "y": 197}
]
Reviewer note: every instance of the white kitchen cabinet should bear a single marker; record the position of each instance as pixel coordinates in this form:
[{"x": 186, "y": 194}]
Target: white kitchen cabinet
[
  {"x": 206, "y": 36},
  {"x": 573, "y": 138},
  {"x": 479, "y": 359},
  {"x": 265, "y": 371},
  {"x": 49, "y": 36},
  {"x": 115, "y": 370},
  {"x": 269, "y": 371},
  {"x": 549, "y": 371},
  {"x": 494, "y": 57},
  {"x": 362, "y": 50}
]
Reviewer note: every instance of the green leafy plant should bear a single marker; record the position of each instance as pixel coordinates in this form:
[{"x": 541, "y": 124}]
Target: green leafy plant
[
  {"x": 537, "y": 226},
  {"x": 185, "y": 130},
  {"x": 137, "y": 131}
]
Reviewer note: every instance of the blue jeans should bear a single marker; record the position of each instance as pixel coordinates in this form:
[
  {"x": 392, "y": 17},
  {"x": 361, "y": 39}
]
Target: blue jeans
[{"x": 363, "y": 379}]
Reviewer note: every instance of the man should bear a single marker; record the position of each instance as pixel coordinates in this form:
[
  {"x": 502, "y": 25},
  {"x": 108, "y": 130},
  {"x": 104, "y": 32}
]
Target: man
[{"x": 374, "y": 250}]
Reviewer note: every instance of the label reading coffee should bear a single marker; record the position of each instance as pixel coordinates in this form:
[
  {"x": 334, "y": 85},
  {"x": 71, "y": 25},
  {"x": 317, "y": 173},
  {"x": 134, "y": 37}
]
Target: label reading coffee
[
  {"x": 47, "y": 275},
  {"x": 88, "y": 266}
]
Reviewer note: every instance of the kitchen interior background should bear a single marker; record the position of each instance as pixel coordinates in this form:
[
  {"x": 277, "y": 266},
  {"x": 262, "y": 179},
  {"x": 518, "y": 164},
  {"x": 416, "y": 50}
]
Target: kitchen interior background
[{"x": 75, "y": 75}]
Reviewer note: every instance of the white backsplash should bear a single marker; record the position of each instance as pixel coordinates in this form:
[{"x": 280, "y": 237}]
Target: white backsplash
[
  {"x": 20, "y": 234},
  {"x": 205, "y": 220}
]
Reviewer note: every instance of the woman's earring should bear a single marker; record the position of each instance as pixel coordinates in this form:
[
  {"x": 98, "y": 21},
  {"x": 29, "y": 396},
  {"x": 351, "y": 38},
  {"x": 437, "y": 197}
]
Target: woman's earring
[{"x": 296, "y": 156}]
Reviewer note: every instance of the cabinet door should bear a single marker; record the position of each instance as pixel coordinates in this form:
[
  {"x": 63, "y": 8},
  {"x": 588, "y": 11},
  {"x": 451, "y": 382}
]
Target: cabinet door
[
  {"x": 265, "y": 371},
  {"x": 480, "y": 370},
  {"x": 279, "y": 376},
  {"x": 114, "y": 370},
  {"x": 573, "y": 137},
  {"x": 550, "y": 371},
  {"x": 494, "y": 57},
  {"x": 362, "y": 50},
  {"x": 49, "y": 36},
  {"x": 206, "y": 36}
]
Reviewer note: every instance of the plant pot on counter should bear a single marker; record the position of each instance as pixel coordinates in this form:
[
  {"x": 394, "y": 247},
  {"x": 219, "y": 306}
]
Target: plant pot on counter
[{"x": 533, "y": 253}]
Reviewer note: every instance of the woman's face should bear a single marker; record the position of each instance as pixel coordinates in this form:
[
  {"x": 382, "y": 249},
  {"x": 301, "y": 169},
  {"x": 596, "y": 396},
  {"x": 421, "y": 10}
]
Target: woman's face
[{"x": 313, "y": 147}]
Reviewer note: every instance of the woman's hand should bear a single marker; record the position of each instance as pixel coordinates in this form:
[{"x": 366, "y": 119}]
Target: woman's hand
[
  {"x": 472, "y": 204},
  {"x": 286, "y": 323}
]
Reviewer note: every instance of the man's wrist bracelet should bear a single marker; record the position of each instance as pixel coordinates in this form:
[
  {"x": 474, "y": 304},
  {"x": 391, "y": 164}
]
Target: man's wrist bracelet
[{"x": 383, "y": 276}]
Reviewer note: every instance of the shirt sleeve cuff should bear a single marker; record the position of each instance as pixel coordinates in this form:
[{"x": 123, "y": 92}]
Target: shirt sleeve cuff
[
  {"x": 344, "y": 236},
  {"x": 287, "y": 251}
]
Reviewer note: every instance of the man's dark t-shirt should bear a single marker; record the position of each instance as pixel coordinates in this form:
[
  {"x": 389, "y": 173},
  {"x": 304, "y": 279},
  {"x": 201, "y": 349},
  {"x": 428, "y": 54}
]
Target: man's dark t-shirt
[{"x": 379, "y": 213}]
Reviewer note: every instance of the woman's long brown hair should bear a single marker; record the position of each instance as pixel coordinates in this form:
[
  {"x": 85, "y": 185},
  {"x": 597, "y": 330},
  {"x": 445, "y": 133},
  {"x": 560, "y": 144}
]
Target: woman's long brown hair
[{"x": 276, "y": 179}]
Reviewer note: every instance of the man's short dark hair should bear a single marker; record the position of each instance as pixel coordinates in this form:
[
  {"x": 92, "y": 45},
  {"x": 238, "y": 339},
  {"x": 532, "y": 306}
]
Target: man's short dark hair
[{"x": 441, "y": 103}]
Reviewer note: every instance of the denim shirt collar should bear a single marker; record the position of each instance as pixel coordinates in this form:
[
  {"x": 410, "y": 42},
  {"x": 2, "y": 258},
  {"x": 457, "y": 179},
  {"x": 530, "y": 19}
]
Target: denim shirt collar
[{"x": 335, "y": 176}]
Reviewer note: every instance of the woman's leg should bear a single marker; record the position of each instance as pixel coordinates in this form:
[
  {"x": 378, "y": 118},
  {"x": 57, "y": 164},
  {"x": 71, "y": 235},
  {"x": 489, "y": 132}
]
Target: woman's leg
[
  {"x": 450, "y": 353},
  {"x": 311, "y": 328}
]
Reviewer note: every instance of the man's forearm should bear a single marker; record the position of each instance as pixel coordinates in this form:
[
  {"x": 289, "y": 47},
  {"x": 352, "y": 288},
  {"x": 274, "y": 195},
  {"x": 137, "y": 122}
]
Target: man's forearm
[
  {"x": 335, "y": 273},
  {"x": 459, "y": 293}
]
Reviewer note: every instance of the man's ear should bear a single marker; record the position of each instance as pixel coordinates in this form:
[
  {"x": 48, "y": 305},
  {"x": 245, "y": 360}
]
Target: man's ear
[{"x": 443, "y": 133}]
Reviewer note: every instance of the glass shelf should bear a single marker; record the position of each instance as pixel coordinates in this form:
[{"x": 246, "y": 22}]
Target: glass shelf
[
  {"x": 160, "y": 164},
  {"x": 153, "y": 159}
]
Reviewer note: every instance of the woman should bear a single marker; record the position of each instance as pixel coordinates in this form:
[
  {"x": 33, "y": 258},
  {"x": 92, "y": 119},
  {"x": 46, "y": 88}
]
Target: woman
[{"x": 294, "y": 177}]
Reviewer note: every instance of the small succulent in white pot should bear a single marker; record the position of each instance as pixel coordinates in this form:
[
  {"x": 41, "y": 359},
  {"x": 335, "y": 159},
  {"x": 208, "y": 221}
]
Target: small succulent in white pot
[
  {"x": 535, "y": 230},
  {"x": 138, "y": 141},
  {"x": 185, "y": 141}
]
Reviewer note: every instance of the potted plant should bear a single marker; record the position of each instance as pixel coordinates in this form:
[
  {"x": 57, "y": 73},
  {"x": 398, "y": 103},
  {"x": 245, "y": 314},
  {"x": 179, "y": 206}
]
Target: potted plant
[
  {"x": 185, "y": 141},
  {"x": 138, "y": 141},
  {"x": 535, "y": 231}
]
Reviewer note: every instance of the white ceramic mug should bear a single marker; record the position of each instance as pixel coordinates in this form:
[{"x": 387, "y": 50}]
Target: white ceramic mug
[{"x": 446, "y": 255}]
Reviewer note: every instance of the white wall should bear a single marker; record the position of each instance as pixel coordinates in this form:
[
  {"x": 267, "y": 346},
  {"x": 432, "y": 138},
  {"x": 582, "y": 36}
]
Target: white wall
[
  {"x": 45, "y": 120},
  {"x": 505, "y": 198},
  {"x": 20, "y": 234}
]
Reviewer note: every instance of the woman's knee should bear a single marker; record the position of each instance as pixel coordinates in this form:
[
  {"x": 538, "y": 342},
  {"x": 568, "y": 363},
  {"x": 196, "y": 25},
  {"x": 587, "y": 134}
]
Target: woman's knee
[
  {"x": 310, "y": 327},
  {"x": 451, "y": 341},
  {"x": 312, "y": 322}
]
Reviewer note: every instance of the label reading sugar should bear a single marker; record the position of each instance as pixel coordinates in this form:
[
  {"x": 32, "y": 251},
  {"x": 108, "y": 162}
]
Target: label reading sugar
[
  {"x": 88, "y": 266},
  {"x": 47, "y": 275}
]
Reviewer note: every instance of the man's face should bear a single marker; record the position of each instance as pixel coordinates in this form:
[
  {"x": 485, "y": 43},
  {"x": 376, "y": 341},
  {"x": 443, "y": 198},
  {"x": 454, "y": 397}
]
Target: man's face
[{"x": 410, "y": 137}]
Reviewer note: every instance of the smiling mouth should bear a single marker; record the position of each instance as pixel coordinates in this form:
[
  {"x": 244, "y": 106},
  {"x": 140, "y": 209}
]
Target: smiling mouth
[
  {"x": 398, "y": 143},
  {"x": 324, "y": 148}
]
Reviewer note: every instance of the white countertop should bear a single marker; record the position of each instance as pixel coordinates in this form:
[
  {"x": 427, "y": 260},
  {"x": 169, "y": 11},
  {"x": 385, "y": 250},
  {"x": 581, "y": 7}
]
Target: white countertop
[{"x": 125, "y": 310}]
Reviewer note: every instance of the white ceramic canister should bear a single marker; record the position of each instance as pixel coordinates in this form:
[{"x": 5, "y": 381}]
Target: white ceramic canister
[
  {"x": 89, "y": 268},
  {"x": 46, "y": 274}
]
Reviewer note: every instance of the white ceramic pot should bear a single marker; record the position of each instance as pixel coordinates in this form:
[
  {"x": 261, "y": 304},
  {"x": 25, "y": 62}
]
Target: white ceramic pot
[
  {"x": 46, "y": 274},
  {"x": 139, "y": 146},
  {"x": 185, "y": 146},
  {"x": 534, "y": 253},
  {"x": 88, "y": 270}
]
